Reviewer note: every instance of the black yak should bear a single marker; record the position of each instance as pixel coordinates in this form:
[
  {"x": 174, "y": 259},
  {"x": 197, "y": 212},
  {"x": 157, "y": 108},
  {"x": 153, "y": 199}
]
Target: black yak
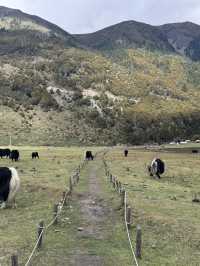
[
  {"x": 156, "y": 168},
  {"x": 125, "y": 152},
  {"x": 35, "y": 155},
  {"x": 195, "y": 151},
  {"x": 9, "y": 185},
  {"x": 89, "y": 156},
  {"x": 14, "y": 155},
  {"x": 4, "y": 153}
]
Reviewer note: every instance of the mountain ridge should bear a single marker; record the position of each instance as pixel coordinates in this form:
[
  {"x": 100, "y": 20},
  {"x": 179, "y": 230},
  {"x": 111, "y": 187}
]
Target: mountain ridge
[
  {"x": 57, "y": 90},
  {"x": 170, "y": 37},
  {"x": 6, "y": 12},
  {"x": 182, "y": 37}
]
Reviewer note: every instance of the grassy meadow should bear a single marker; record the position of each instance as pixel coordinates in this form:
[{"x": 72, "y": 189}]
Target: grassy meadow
[
  {"x": 42, "y": 184},
  {"x": 164, "y": 208}
]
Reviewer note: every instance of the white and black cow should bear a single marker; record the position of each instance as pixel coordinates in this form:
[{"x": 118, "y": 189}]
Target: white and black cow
[
  {"x": 9, "y": 185},
  {"x": 156, "y": 168}
]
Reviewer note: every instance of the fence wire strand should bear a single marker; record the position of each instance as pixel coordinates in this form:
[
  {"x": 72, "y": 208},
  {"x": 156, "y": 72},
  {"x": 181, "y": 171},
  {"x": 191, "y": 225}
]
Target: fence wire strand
[
  {"x": 135, "y": 262},
  {"x": 127, "y": 230},
  {"x": 55, "y": 218}
]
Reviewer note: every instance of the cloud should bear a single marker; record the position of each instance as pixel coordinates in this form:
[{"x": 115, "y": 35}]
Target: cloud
[{"x": 81, "y": 16}]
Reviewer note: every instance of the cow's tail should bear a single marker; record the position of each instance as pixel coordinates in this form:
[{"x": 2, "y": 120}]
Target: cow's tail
[{"x": 14, "y": 184}]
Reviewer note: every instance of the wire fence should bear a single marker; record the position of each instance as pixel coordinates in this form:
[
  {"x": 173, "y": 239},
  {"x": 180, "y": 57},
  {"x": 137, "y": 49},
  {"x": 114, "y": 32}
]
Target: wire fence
[
  {"x": 127, "y": 230},
  {"x": 73, "y": 180},
  {"x": 123, "y": 194}
]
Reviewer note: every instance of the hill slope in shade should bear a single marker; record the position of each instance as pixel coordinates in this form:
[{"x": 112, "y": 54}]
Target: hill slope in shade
[
  {"x": 182, "y": 38},
  {"x": 129, "y": 34},
  {"x": 181, "y": 35}
]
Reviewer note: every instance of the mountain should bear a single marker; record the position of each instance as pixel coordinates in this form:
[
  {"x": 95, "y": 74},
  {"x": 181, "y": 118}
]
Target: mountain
[
  {"x": 181, "y": 35},
  {"x": 182, "y": 38},
  {"x": 14, "y": 19},
  {"x": 128, "y": 83},
  {"x": 27, "y": 34},
  {"x": 128, "y": 34}
]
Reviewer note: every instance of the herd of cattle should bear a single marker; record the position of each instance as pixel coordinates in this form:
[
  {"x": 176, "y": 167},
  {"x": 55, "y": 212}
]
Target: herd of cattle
[
  {"x": 10, "y": 182},
  {"x": 14, "y": 154},
  {"x": 9, "y": 179}
]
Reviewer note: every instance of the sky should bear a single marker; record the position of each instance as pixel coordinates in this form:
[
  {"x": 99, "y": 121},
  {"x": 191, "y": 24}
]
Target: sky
[{"x": 84, "y": 16}]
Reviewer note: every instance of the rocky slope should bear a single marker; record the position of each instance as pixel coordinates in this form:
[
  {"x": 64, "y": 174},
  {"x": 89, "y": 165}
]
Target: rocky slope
[{"x": 125, "y": 84}]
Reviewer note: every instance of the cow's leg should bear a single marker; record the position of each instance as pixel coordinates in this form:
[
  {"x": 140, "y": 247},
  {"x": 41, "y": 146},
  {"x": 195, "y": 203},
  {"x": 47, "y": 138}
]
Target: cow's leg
[
  {"x": 149, "y": 169},
  {"x": 3, "y": 205},
  {"x": 14, "y": 204},
  {"x": 158, "y": 176}
]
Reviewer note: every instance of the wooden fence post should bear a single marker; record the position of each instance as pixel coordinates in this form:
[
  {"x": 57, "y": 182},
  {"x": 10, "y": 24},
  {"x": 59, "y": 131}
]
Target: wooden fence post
[
  {"x": 123, "y": 192},
  {"x": 55, "y": 213},
  {"x": 129, "y": 217},
  {"x": 74, "y": 178},
  {"x": 64, "y": 198},
  {"x": 139, "y": 242},
  {"x": 113, "y": 181},
  {"x": 78, "y": 177},
  {"x": 40, "y": 234},
  {"x": 117, "y": 185},
  {"x": 14, "y": 260},
  {"x": 120, "y": 187},
  {"x": 70, "y": 185}
]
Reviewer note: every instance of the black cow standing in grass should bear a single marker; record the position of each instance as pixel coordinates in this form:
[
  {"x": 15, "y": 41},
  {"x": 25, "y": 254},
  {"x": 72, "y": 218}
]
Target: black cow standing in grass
[
  {"x": 125, "y": 152},
  {"x": 89, "y": 156},
  {"x": 5, "y": 153},
  {"x": 156, "y": 168},
  {"x": 35, "y": 155},
  {"x": 14, "y": 155},
  {"x": 195, "y": 151},
  {"x": 9, "y": 185}
]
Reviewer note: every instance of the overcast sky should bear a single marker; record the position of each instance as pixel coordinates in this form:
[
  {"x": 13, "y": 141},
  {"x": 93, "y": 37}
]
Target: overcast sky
[{"x": 82, "y": 16}]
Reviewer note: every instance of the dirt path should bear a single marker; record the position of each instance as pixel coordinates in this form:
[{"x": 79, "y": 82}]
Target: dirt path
[{"x": 95, "y": 213}]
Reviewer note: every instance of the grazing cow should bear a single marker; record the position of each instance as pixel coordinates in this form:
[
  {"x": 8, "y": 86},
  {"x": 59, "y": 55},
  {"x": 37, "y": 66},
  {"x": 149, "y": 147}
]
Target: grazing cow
[
  {"x": 125, "y": 152},
  {"x": 14, "y": 155},
  {"x": 156, "y": 168},
  {"x": 195, "y": 151},
  {"x": 4, "y": 153},
  {"x": 9, "y": 185},
  {"x": 89, "y": 155},
  {"x": 35, "y": 155}
]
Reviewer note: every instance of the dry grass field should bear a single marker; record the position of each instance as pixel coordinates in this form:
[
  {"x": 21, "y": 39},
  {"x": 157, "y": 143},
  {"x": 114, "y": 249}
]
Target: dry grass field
[
  {"x": 42, "y": 184},
  {"x": 164, "y": 208}
]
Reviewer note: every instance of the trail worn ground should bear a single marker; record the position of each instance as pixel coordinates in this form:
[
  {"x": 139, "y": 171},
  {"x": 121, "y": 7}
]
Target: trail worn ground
[{"x": 97, "y": 220}]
